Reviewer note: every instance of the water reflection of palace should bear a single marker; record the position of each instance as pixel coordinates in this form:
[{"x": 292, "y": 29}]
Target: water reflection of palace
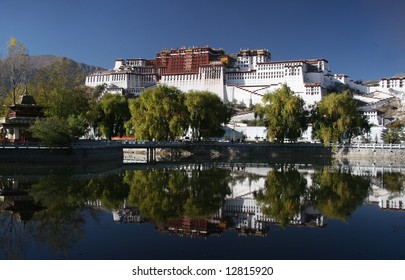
[
  {"x": 240, "y": 209},
  {"x": 247, "y": 214},
  {"x": 386, "y": 199},
  {"x": 388, "y": 194},
  {"x": 193, "y": 226},
  {"x": 373, "y": 171},
  {"x": 127, "y": 214}
]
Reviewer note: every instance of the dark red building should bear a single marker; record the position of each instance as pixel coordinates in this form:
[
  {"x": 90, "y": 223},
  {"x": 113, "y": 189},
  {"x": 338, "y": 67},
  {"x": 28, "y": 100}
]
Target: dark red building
[{"x": 186, "y": 60}]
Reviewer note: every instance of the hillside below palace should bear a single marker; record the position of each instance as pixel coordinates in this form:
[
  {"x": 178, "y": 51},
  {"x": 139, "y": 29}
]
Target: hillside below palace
[{"x": 242, "y": 78}]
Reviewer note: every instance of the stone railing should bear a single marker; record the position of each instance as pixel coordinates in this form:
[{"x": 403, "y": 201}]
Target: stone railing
[{"x": 372, "y": 146}]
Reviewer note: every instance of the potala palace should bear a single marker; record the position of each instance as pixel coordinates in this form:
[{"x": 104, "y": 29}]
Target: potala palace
[{"x": 241, "y": 78}]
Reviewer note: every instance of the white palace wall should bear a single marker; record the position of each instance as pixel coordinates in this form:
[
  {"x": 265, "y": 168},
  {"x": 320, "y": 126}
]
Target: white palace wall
[
  {"x": 244, "y": 82},
  {"x": 208, "y": 79}
]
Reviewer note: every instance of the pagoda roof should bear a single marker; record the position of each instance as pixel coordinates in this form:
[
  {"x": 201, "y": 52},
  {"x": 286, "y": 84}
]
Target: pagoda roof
[{"x": 26, "y": 100}]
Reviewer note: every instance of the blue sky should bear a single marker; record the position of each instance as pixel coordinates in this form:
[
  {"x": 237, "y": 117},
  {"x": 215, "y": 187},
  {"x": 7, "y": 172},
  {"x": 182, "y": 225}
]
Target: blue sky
[{"x": 362, "y": 38}]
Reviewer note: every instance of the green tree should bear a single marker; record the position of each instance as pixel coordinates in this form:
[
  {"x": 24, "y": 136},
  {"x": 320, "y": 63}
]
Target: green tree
[
  {"x": 284, "y": 114},
  {"x": 57, "y": 131},
  {"x": 64, "y": 74},
  {"x": 281, "y": 198},
  {"x": 2, "y": 79},
  {"x": 58, "y": 88},
  {"x": 16, "y": 68},
  {"x": 65, "y": 102},
  {"x": 77, "y": 126},
  {"x": 115, "y": 112},
  {"x": 207, "y": 114},
  {"x": 159, "y": 114},
  {"x": 394, "y": 133},
  {"x": 335, "y": 115},
  {"x": 360, "y": 126},
  {"x": 94, "y": 115},
  {"x": 14, "y": 74},
  {"x": 66, "y": 118}
]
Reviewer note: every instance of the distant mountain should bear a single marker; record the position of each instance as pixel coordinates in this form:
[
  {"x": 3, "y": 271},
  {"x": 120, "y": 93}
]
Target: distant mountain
[{"x": 41, "y": 61}]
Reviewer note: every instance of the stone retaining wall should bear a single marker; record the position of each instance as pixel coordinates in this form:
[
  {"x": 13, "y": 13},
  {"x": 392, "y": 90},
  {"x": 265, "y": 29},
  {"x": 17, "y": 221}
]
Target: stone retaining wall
[
  {"x": 62, "y": 155},
  {"x": 380, "y": 156}
]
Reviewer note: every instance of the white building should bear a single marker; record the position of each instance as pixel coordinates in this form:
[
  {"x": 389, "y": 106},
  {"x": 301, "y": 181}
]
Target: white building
[
  {"x": 394, "y": 86},
  {"x": 240, "y": 131},
  {"x": 372, "y": 102},
  {"x": 252, "y": 75},
  {"x": 210, "y": 78},
  {"x": 242, "y": 78},
  {"x": 247, "y": 82},
  {"x": 130, "y": 76}
]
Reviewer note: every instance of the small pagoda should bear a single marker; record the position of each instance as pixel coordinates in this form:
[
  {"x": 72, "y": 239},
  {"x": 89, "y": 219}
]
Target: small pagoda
[{"x": 23, "y": 114}]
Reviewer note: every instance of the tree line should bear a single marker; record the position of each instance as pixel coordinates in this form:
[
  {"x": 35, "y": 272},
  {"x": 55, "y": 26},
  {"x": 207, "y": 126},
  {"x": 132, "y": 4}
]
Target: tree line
[
  {"x": 334, "y": 118},
  {"x": 166, "y": 113}
]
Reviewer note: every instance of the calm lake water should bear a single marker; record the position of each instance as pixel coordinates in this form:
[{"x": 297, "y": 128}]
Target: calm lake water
[{"x": 202, "y": 211}]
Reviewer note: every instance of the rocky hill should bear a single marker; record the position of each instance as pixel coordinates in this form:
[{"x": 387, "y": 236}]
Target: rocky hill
[{"x": 393, "y": 109}]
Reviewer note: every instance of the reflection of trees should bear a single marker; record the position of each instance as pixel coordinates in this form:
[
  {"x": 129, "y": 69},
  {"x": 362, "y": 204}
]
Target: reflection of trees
[
  {"x": 207, "y": 191},
  {"x": 281, "y": 198},
  {"x": 61, "y": 222},
  {"x": 157, "y": 193},
  {"x": 240, "y": 176},
  {"x": 338, "y": 194},
  {"x": 15, "y": 210},
  {"x": 394, "y": 182},
  {"x": 111, "y": 190},
  {"x": 12, "y": 238},
  {"x": 163, "y": 195}
]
